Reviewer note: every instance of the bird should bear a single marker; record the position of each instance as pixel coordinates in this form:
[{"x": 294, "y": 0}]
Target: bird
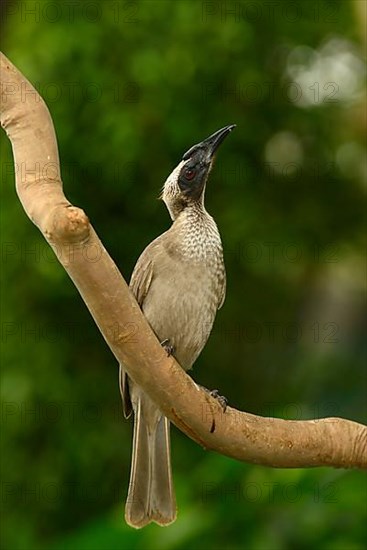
[{"x": 179, "y": 282}]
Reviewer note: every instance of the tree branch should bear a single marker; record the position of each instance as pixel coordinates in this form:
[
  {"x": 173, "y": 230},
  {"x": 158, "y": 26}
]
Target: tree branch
[{"x": 268, "y": 441}]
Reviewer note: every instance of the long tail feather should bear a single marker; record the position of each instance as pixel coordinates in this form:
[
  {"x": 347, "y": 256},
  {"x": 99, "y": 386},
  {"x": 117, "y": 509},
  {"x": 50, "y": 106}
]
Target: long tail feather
[{"x": 151, "y": 495}]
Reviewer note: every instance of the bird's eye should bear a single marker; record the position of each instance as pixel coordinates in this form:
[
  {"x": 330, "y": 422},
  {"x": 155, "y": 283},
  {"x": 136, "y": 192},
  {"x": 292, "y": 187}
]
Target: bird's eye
[{"x": 190, "y": 173}]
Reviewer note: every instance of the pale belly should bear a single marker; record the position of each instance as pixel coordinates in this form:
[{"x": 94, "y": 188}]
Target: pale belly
[{"x": 181, "y": 307}]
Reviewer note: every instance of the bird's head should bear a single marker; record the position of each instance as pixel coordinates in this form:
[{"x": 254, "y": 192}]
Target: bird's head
[{"x": 186, "y": 184}]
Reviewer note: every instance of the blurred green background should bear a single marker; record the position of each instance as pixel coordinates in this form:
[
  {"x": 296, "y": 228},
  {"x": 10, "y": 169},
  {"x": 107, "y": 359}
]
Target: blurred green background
[{"x": 131, "y": 86}]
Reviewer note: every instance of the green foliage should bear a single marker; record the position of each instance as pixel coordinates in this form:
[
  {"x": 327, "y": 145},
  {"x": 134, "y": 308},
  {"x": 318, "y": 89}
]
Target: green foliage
[{"x": 130, "y": 87}]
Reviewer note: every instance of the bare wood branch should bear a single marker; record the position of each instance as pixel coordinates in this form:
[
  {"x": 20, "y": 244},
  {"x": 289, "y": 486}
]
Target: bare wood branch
[{"x": 268, "y": 441}]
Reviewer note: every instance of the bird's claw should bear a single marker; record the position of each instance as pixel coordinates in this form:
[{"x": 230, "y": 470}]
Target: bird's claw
[
  {"x": 170, "y": 350},
  {"x": 223, "y": 401}
]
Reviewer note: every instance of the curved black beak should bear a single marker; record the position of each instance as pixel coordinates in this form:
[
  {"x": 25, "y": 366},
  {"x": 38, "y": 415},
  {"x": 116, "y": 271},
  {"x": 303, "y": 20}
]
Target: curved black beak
[{"x": 211, "y": 143}]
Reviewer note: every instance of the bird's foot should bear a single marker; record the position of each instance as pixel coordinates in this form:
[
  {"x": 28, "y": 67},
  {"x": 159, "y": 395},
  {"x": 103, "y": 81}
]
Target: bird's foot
[
  {"x": 223, "y": 401},
  {"x": 170, "y": 350}
]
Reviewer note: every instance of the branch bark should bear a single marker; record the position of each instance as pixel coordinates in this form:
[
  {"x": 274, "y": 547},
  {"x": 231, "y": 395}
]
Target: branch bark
[{"x": 268, "y": 441}]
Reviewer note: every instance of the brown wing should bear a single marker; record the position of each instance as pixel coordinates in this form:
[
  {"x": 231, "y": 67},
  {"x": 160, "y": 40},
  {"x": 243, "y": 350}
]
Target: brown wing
[
  {"x": 222, "y": 295},
  {"x": 139, "y": 284},
  {"x": 127, "y": 407},
  {"x": 141, "y": 278}
]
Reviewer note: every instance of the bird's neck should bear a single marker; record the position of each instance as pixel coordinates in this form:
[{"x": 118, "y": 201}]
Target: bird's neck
[{"x": 196, "y": 234}]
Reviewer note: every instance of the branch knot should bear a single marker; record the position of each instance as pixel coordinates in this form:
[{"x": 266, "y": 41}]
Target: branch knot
[{"x": 67, "y": 224}]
